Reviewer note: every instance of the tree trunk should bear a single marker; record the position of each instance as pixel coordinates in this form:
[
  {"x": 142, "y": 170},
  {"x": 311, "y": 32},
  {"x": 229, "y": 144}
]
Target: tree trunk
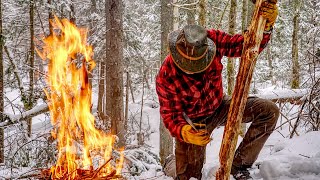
[
  {"x": 231, "y": 63},
  {"x": 140, "y": 136},
  {"x": 126, "y": 115},
  {"x": 166, "y": 141},
  {"x": 175, "y": 16},
  {"x": 166, "y": 21},
  {"x": 191, "y": 19},
  {"x": 252, "y": 40},
  {"x": 202, "y": 13},
  {"x": 219, "y": 26},
  {"x": 101, "y": 91},
  {"x": 114, "y": 68},
  {"x": 102, "y": 74},
  {"x": 50, "y": 17},
  {"x": 269, "y": 59},
  {"x": 244, "y": 15},
  {"x": 72, "y": 16},
  {"x": 295, "y": 82},
  {"x": 1, "y": 89},
  {"x": 131, "y": 89},
  {"x": 29, "y": 103},
  {"x": 250, "y": 11}
]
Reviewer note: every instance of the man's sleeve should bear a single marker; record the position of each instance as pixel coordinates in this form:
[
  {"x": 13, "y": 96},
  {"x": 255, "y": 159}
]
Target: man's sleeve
[
  {"x": 232, "y": 45},
  {"x": 170, "y": 107}
]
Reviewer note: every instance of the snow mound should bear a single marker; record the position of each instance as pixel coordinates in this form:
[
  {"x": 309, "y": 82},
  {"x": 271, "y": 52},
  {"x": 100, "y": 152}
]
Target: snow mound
[
  {"x": 305, "y": 145},
  {"x": 298, "y": 159}
]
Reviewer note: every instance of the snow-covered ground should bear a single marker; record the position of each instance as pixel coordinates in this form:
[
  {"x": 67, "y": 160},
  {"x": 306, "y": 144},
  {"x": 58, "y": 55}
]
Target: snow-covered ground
[{"x": 281, "y": 158}]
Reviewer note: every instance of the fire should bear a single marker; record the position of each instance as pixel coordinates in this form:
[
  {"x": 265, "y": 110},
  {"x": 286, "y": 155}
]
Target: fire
[{"x": 80, "y": 144}]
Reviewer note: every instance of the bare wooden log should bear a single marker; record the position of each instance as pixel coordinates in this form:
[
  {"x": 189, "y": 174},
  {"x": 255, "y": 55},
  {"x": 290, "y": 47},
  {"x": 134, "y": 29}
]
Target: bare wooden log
[
  {"x": 287, "y": 95},
  {"x": 252, "y": 41},
  {"x": 13, "y": 119}
]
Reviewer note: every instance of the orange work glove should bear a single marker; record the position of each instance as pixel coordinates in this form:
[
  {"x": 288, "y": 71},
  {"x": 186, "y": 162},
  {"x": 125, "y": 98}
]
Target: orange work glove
[
  {"x": 199, "y": 137},
  {"x": 269, "y": 10}
]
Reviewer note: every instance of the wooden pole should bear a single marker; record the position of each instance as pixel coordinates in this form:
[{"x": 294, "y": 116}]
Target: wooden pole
[{"x": 250, "y": 52}]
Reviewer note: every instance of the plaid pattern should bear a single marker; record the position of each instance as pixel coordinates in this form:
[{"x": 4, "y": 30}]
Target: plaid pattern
[{"x": 198, "y": 95}]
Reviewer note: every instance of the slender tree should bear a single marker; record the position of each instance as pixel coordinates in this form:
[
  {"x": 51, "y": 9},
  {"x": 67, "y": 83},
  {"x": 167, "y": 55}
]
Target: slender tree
[
  {"x": 166, "y": 141},
  {"x": 269, "y": 59},
  {"x": 101, "y": 91},
  {"x": 295, "y": 83},
  {"x": 114, "y": 68},
  {"x": 231, "y": 62},
  {"x": 72, "y": 15},
  {"x": 202, "y": 13},
  {"x": 191, "y": 19},
  {"x": 50, "y": 16},
  {"x": 250, "y": 11},
  {"x": 1, "y": 89},
  {"x": 29, "y": 102},
  {"x": 244, "y": 15},
  {"x": 102, "y": 67}
]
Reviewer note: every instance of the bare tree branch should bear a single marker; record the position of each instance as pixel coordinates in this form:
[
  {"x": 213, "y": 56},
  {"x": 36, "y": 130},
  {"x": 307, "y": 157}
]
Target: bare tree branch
[{"x": 15, "y": 70}]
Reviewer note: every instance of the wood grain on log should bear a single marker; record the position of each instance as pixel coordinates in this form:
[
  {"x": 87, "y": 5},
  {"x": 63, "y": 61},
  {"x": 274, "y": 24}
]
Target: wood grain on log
[{"x": 250, "y": 52}]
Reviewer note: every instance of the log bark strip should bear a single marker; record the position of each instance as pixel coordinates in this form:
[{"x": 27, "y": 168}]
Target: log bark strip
[{"x": 250, "y": 52}]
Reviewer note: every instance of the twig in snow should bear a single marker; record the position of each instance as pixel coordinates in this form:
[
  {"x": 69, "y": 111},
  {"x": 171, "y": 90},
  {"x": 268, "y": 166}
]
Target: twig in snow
[
  {"x": 281, "y": 134},
  {"x": 304, "y": 156}
]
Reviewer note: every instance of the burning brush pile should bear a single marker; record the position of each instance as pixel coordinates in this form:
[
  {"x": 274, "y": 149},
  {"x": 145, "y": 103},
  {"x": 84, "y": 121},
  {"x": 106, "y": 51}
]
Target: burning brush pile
[{"x": 84, "y": 152}]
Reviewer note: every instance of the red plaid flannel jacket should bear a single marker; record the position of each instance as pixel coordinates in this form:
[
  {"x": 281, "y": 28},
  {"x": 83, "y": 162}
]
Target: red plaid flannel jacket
[{"x": 198, "y": 95}]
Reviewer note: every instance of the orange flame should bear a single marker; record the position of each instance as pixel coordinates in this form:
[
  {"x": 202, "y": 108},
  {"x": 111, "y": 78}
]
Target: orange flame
[{"x": 80, "y": 144}]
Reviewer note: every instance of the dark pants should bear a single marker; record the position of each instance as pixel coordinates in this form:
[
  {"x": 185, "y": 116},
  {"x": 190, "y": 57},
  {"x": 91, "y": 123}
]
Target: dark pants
[{"x": 262, "y": 113}]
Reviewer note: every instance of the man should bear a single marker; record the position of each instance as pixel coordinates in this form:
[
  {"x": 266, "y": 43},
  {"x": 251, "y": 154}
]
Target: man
[{"x": 189, "y": 86}]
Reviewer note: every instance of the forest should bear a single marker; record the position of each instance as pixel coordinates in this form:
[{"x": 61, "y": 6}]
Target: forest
[{"x": 78, "y": 96}]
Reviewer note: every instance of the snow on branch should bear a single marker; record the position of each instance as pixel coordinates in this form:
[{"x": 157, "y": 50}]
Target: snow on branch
[
  {"x": 184, "y": 6},
  {"x": 283, "y": 94},
  {"x": 15, "y": 70},
  {"x": 10, "y": 119}
]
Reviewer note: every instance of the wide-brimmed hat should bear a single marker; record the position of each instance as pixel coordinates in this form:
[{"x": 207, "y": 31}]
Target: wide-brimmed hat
[{"x": 192, "y": 51}]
